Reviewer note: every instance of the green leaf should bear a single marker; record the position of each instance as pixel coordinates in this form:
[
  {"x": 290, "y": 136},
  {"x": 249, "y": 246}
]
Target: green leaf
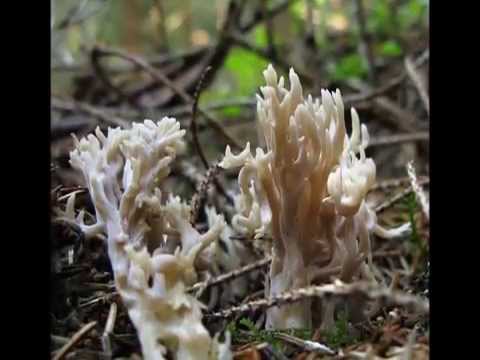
[
  {"x": 260, "y": 34},
  {"x": 249, "y": 325},
  {"x": 391, "y": 48},
  {"x": 298, "y": 9},
  {"x": 348, "y": 67},
  {"x": 339, "y": 335},
  {"x": 231, "y": 111},
  {"x": 380, "y": 19},
  {"x": 411, "y": 13},
  {"x": 245, "y": 69}
]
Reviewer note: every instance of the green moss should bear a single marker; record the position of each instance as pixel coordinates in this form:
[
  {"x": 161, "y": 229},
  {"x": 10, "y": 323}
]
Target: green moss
[
  {"x": 253, "y": 334},
  {"x": 339, "y": 336}
]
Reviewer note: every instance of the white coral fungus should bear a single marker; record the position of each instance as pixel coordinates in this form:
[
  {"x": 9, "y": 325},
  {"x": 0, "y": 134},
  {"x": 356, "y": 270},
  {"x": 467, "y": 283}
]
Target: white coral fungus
[
  {"x": 152, "y": 246},
  {"x": 307, "y": 190}
]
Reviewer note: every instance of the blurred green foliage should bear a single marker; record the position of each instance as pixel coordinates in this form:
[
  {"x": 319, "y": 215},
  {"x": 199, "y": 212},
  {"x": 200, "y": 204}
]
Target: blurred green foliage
[
  {"x": 245, "y": 67},
  {"x": 245, "y": 330},
  {"x": 339, "y": 336},
  {"x": 390, "y": 48},
  {"x": 261, "y": 36},
  {"x": 412, "y": 207},
  {"x": 151, "y": 26},
  {"x": 349, "y": 66}
]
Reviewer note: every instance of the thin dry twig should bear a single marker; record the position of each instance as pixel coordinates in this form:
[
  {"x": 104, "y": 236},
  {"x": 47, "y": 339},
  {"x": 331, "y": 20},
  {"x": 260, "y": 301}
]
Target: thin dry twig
[
  {"x": 110, "y": 324},
  {"x": 306, "y": 345},
  {"x": 72, "y": 105},
  {"x": 102, "y": 298},
  {"x": 144, "y": 65},
  {"x": 74, "y": 340},
  {"x": 199, "y": 197},
  {"x": 394, "y": 199},
  {"x": 78, "y": 14},
  {"x": 417, "y": 81},
  {"x": 370, "y": 94},
  {"x": 270, "y": 14},
  {"x": 417, "y": 189},
  {"x": 211, "y": 171},
  {"x": 400, "y": 138},
  {"x": 339, "y": 289},
  {"x": 231, "y": 275},
  {"x": 386, "y": 254},
  {"x": 392, "y": 183},
  {"x": 76, "y": 192},
  {"x": 396, "y": 116},
  {"x": 102, "y": 75},
  {"x": 193, "y": 122},
  {"x": 162, "y": 79}
]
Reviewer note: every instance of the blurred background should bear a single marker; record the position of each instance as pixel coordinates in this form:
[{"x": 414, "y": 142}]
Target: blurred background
[{"x": 104, "y": 53}]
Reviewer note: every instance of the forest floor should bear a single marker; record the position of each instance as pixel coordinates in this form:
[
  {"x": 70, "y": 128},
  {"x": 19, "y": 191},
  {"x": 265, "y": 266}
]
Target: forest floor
[{"x": 88, "y": 318}]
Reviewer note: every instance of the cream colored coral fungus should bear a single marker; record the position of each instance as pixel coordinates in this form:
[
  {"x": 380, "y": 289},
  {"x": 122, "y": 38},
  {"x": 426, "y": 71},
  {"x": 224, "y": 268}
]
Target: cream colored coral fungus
[
  {"x": 307, "y": 190},
  {"x": 151, "y": 245}
]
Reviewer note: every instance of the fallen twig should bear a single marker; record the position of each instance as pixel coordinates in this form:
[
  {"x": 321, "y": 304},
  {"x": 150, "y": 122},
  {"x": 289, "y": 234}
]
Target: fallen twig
[
  {"x": 386, "y": 204},
  {"x": 400, "y": 138},
  {"x": 200, "y": 195},
  {"x": 270, "y": 14},
  {"x": 102, "y": 75},
  {"x": 75, "y": 339},
  {"x": 193, "y": 122},
  {"x": 417, "y": 81},
  {"x": 339, "y": 289},
  {"x": 306, "y": 345},
  {"x": 162, "y": 79},
  {"x": 389, "y": 183},
  {"x": 110, "y": 324},
  {"x": 71, "y": 105},
  {"x": 231, "y": 275},
  {"x": 370, "y": 94},
  {"x": 417, "y": 189}
]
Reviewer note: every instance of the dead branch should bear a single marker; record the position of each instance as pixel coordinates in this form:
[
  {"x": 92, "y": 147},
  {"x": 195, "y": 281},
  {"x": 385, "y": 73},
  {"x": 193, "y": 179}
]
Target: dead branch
[
  {"x": 261, "y": 16},
  {"x": 389, "y": 183},
  {"x": 110, "y": 324},
  {"x": 399, "y": 118},
  {"x": 193, "y": 122},
  {"x": 418, "y": 82},
  {"x": 101, "y": 74},
  {"x": 199, "y": 197},
  {"x": 340, "y": 290},
  {"x": 231, "y": 275},
  {"x": 393, "y": 200},
  {"x": 72, "y": 105},
  {"x": 211, "y": 171},
  {"x": 394, "y": 82},
  {"x": 163, "y": 80},
  {"x": 74, "y": 340},
  {"x": 417, "y": 189},
  {"x": 400, "y": 138}
]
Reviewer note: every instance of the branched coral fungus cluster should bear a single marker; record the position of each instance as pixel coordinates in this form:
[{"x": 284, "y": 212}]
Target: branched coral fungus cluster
[
  {"x": 306, "y": 191},
  {"x": 152, "y": 247}
]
